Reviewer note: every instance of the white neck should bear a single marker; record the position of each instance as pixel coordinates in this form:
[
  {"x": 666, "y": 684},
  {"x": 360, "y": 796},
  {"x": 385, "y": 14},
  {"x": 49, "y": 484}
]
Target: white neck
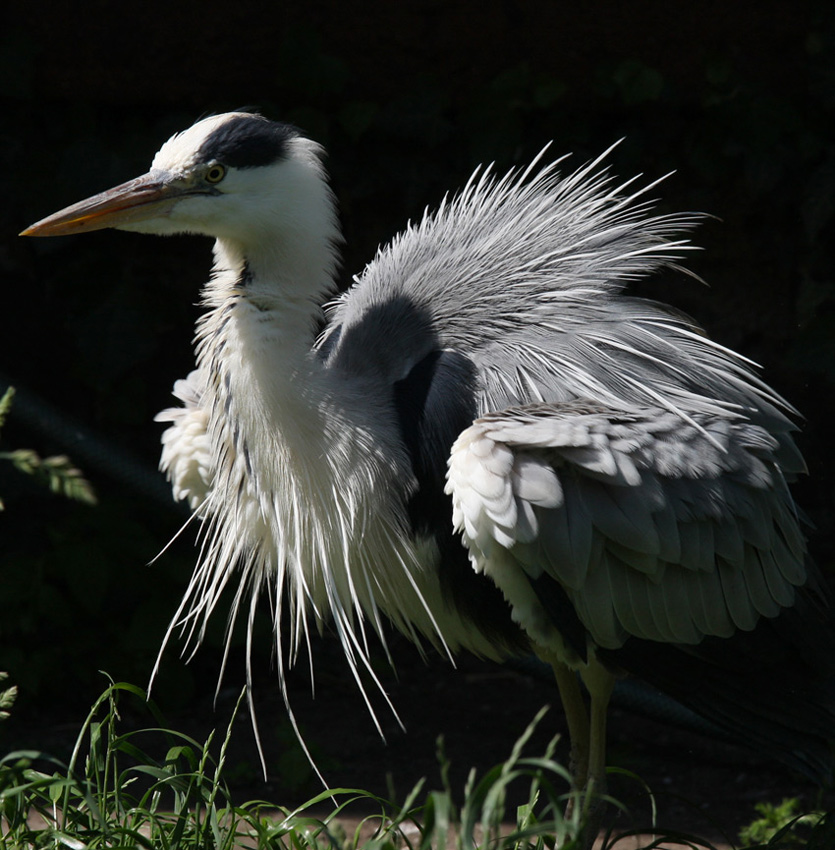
[
  {"x": 255, "y": 342},
  {"x": 275, "y": 264}
]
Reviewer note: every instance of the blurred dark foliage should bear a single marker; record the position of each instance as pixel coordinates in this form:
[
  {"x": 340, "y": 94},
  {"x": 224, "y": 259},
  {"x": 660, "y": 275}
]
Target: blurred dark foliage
[{"x": 407, "y": 98}]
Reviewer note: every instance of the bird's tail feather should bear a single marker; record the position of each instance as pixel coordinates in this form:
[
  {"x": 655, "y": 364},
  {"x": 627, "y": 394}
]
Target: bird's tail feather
[{"x": 772, "y": 689}]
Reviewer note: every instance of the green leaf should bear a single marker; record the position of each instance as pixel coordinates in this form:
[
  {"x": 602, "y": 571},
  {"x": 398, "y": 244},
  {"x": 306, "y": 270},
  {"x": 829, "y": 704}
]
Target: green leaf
[
  {"x": 6, "y": 404},
  {"x": 7, "y": 697},
  {"x": 56, "y": 472}
]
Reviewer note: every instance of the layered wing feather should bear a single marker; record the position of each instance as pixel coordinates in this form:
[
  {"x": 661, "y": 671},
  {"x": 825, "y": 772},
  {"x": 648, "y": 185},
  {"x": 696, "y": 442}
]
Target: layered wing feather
[{"x": 655, "y": 526}]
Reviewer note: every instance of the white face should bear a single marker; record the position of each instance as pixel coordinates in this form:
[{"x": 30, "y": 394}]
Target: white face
[
  {"x": 234, "y": 176},
  {"x": 233, "y": 172}
]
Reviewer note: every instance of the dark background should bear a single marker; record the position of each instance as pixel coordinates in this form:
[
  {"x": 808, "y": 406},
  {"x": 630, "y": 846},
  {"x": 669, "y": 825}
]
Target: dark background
[{"x": 736, "y": 97}]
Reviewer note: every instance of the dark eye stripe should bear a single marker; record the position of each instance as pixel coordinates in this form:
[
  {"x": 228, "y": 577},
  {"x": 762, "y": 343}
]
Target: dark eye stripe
[{"x": 247, "y": 141}]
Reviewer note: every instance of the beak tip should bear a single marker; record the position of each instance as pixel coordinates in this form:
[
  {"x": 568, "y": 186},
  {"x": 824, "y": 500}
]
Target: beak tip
[{"x": 137, "y": 200}]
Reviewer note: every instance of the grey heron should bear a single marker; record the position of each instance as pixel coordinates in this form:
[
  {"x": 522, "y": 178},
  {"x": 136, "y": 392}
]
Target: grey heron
[{"x": 491, "y": 446}]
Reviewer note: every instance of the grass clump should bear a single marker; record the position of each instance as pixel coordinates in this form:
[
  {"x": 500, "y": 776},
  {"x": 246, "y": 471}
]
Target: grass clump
[
  {"x": 112, "y": 793},
  {"x": 783, "y": 826}
]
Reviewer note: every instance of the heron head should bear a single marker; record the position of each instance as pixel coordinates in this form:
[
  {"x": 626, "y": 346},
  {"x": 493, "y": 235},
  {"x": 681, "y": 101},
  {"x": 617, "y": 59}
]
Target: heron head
[{"x": 235, "y": 176}]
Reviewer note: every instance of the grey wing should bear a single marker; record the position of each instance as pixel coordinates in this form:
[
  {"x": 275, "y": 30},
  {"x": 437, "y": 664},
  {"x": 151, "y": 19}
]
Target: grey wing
[
  {"x": 652, "y": 525},
  {"x": 186, "y": 448}
]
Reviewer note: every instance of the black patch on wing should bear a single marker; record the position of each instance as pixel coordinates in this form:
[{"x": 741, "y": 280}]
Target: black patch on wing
[
  {"x": 247, "y": 141},
  {"x": 434, "y": 403}
]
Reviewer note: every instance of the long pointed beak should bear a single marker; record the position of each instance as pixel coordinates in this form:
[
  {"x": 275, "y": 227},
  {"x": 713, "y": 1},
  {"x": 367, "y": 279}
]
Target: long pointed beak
[{"x": 150, "y": 196}]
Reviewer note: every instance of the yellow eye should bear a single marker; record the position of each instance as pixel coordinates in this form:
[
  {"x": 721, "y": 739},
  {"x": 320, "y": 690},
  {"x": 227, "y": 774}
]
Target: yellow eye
[{"x": 216, "y": 173}]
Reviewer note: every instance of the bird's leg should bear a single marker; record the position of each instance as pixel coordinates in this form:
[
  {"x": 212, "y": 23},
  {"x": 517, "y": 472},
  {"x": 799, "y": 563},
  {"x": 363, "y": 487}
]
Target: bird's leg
[
  {"x": 587, "y": 733},
  {"x": 599, "y": 683},
  {"x": 577, "y": 719}
]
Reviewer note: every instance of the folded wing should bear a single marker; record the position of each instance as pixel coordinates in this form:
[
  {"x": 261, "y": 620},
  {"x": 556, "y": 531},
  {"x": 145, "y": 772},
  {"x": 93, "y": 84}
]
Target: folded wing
[{"x": 650, "y": 524}]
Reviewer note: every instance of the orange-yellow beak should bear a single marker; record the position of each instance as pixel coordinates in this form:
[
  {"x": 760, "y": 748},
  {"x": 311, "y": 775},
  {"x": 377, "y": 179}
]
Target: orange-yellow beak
[{"x": 149, "y": 196}]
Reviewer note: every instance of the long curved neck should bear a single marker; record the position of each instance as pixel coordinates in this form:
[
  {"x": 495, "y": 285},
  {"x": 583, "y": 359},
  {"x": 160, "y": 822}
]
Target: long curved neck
[
  {"x": 255, "y": 341},
  {"x": 268, "y": 283},
  {"x": 264, "y": 300}
]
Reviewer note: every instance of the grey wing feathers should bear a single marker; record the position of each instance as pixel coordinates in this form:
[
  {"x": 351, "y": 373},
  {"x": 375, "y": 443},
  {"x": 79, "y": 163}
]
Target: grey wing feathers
[
  {"x": 655, "y": 526},
  {"x": 547, "y": 321}
]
